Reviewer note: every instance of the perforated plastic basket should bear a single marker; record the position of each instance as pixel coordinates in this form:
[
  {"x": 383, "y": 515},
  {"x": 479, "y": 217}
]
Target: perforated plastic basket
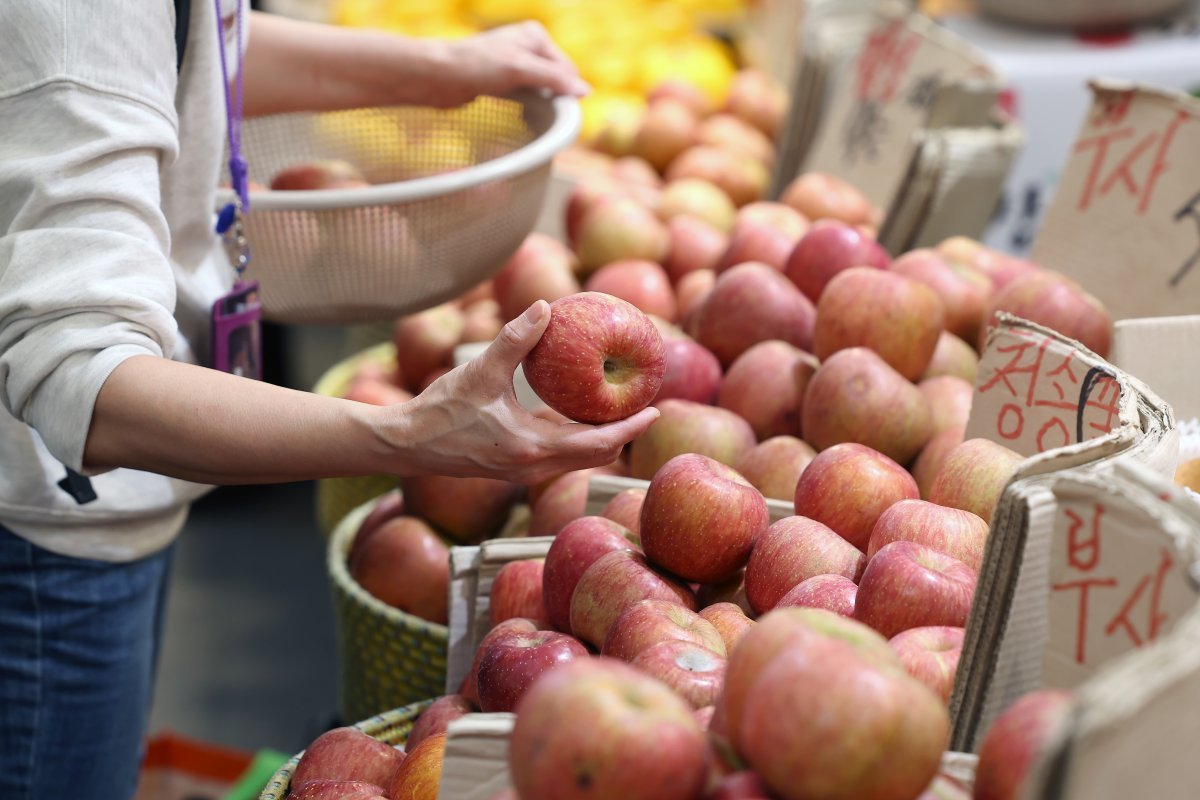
[{"x": 454, "y": 193}]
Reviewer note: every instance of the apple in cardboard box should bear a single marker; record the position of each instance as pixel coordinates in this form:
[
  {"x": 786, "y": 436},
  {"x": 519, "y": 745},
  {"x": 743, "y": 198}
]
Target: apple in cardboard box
[
  {"x": 847, "y": 487},
  {"x": 834, "y": 593},
  {"x": 643, "y": 284},
  {"x": 600, "y": 359},
  {"x": 517, "y": 592},
  {"x": 819, "y": 196},
  {"x": 649, "y": 622},
  {"x": 729, "y": 620},
  {"x": 700, "y": 519},
  {"x": 928, "y": 463},
  {"x": 908, "y": 585},
  {"x": 897, "y": 317},
  {"x": 952, "y": 531},
  {"x": 692, "y": 373},
  {"x": 687, "y": 427},
  {"x": 791, "y": 551},
  {"x": 748, "y": 304},
  {"x": 1014, "y": 742},
  {"x": 775, "y": 465},
  {"x": 619, "y": 228},
  {"x": 765, "y": 386},
  {"x": 1054, "y": 300},
  {"x": 964, "y": 290},
  {"x": 931, "y": 656},
  {"x": 695, "y": 245},
  {"x": 949, "y": 400},
  {"x": 697, "y": 198},
  {"x": 828, "y": 248},
  {"x": 577, "y": 546},
  {"x": 973, "y": 477},
  {"x": 640, "y": 742},
  {"x": 510, "y": 663},
  {"x": 625, "y": 509},
  {"x": 856, "y": 397},
  {"x": 667, "y": 129},
  {"x": 612, "y": 584},
  {"x": 742, "y": 177},
  {"x": 696, "y": 673},
  {"x": 953, "y": 356}
]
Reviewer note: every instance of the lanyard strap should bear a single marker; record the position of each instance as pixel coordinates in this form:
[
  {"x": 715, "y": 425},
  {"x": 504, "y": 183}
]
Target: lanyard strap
[{"x": 233, "y": 110}]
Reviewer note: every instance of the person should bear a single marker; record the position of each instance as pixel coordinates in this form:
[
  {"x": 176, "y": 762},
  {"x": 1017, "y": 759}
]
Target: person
[{"x": 109, "y": 159}]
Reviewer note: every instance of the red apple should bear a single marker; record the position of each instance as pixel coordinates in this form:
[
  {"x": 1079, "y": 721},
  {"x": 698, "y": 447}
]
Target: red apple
[
  {"x": 347, "y": 754},
  {"x": 599, "y": 360},
  {"x": 973, "y": 477},
  {"x": 953, "y": 356},
  {"x": 819, "y": 196},
  {"x": 620, "y": 228},
  {"x": 517, "y": 592},
  {"x": 782, "y": 218},
  {"x": 504, "y": 630},
  {"x": 791, "y": 551},
  {"x": 387, "y": 506},
  {"x": 437, "y": 718},
  {"x": 640, "y": 742},
  {"x": 610, "y": 585},
  {"x": 683, "y": 92},
  {"x": 420, "y": 775},
  {"x": 963, "y": 289},
  {"x": 752, "y": 303},
  {"x": 700, "y": 519},
  {"x": 541, "y": 269},
  {"x": 465, "y": 509},
  {"x": 743, "y": 178},
  {"x": 335, "y": 790},
  {"x": 1015, "y": 741},
  {"x": 774, "y": 466},
  {"x": 668, "y": 128},
  {"x": 643, "y": 284},
  {"x": 822, "y": 720},
  {"x": 908, "y": 585},
  {"x": 482, "y": 322},
  {"x": 765, "y": 386},
  {"x": 584, "y": 197},
  {"x": 693, "y": 671},
  {"x": 847, "y": 487},
  {"x": 321, "y": 174},
  {"x": 697, "y": 198},
  {"x": 559, "y": 502},
  {"x": 898, "y": 318},
  {"x": 834, "y": 593},
  {"x": 686, "y": 427},
  {"x": 753, "y": 240},
  {"x": 928, "y": 462},
  {"x": 648, "y": 622},
  {"x": 1054, "y": 300},
  {"x": 425, "y": 342},
  {"x": 956, "y": 533},
  {"x": 635, "y": 171},
  {"x": 576, "y": 547},
  {"x": 404, "y": 564},
  {"x": 730, "y": 622},
  {"x": 756, "y": 98},
  {"x": 828, "y": 248},
  {"x": 931, "y": 655},
  {"x": 691, "y": 292},
  {"x": 695, "y": 245},
  {"x": 743, "y": 785},
  {"x": 856, "y": 397},
  {"x": 949, "y": 400},
  {"x": 625, "y": 509},
  {"x": 692, "y": 373},
  {"x": 510, "y": 665},
  {"x": 731, "y": 133}
]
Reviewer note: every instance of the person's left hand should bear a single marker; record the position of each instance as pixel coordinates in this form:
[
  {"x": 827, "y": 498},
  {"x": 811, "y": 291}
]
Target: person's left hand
[{"x": 504, "y": 59}]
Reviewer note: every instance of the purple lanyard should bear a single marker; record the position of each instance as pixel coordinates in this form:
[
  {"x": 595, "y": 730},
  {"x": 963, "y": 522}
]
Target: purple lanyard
[{"x": 229, "y": 221}]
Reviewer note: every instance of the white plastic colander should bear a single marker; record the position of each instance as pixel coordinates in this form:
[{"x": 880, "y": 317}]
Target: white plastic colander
[{"x": 454, "y": 192}]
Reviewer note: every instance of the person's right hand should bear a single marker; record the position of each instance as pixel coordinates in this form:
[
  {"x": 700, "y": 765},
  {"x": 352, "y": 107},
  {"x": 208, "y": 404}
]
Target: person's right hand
[{"x": 468, "y": 423}]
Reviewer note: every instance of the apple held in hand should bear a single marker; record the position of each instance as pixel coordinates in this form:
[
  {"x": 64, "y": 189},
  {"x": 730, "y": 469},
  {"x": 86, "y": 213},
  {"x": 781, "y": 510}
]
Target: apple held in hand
[
  {"x": 599, "y": 360},
  {"x": 510, "y": 664},
  {"x": 347, "y": 754},
  {"x": 576, "y": 547},
  {"x": 834, "y": 593},
  {"x": 404, "y": 564},
  {"x": 650, "y": 622},
  {"x": 908, "y": 585},
  {"x": 973, "y": 477},
  {"x": 640, "y": 740},
  {"x": 1016, "y": 739},
  {"x": 517, "y": 592},
  {"x": 700, "y": 518},
  {"x": 847, "y": 487},
  {"x": 790, "y": 552},
  {"x": 612, "y": 584},
  {"x": 696, "y": 673},
  {"x": 930, "y": 655},
  {"x": 952, "y": 531}
]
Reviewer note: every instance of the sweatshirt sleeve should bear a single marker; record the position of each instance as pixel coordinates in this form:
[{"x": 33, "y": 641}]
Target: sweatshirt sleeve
[{"x": 85, "y": 280}]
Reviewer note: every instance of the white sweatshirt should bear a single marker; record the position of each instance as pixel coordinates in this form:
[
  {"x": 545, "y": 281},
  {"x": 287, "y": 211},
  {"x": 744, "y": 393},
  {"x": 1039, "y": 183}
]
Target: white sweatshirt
[{"x": 108, "y": 167}]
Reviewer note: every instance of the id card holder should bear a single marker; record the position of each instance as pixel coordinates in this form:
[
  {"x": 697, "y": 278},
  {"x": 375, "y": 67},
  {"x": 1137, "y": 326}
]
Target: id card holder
[{"x": 237, "y": 331}]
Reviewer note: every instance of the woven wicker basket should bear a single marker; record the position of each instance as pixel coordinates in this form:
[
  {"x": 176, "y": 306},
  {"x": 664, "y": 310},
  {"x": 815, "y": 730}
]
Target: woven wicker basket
[
  {"x": 388, "y": 658},
  {"x": 337, "y": 497},
  {"x": 391, "y": 727}
]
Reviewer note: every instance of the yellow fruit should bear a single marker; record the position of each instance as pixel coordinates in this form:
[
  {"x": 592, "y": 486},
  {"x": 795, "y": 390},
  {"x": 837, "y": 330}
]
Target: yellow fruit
[
  {"x": 700, "y": 60},
  {"x": 601, "y": 107}
]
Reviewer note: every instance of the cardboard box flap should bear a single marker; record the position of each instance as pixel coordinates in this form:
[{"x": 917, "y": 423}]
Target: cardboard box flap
[
  {"x": 602, "y": 488},
  {"x": 885, "y": 97},
  {"x": 476, "y": 761},
  {"x": 1125, "y": 219},
  {"x": 1155, "y": 350}
]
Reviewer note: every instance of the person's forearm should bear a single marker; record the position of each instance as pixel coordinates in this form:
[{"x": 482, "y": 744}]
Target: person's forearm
[
  {"x": 206, "y": 426},
  {"x": 302, "y": 66}
]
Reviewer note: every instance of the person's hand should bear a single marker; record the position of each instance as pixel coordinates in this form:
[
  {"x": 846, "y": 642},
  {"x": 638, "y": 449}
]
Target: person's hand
[
  {"x": 468, "y": 423},
  {"x": 499, "y": 61}
]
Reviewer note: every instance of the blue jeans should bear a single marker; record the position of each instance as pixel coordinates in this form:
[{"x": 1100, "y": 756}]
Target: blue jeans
[{"x": 78, "y": 644}]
